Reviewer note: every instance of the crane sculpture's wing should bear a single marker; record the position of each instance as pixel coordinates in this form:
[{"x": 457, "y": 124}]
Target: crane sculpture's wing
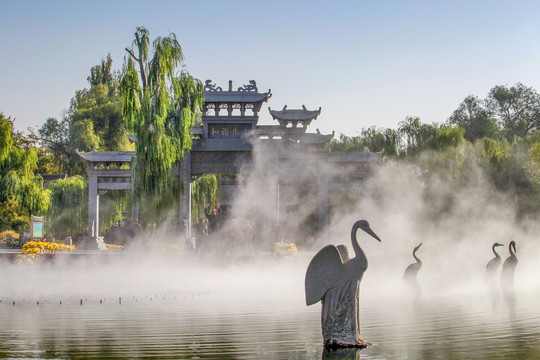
[
  {"x": 344, "y": 253},
  {"x": 324, "y": 272}
]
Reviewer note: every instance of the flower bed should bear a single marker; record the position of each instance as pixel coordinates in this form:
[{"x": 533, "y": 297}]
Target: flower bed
[
  {"x": 114, "y": 247},
  {"x": 33, "y": 248},
  {"x": 9, "y": 239},
  {"x": 285, "y": 249}
]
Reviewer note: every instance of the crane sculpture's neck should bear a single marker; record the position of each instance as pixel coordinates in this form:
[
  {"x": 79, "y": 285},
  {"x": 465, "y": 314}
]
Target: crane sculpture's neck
[
  {"x": 495, "y": 252},
  {"x": 512, "y": 248},
  {"x": 414, "y": 255},
  {"x": 357, "y": 249}
]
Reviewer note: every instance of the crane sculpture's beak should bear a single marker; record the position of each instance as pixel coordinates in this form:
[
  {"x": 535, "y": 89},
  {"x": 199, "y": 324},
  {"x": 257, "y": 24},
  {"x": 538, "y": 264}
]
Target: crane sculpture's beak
[{"x": 370, "y": 232}]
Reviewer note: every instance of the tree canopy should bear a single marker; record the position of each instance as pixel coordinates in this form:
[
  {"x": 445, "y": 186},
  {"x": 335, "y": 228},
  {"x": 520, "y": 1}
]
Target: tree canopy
[
  {"x": 160, "y": 106},
  {"x": 498, "y": 135},
  {"x": 93, "y": 121},
  {"x": 516, "y": 108},
  {"x": 21, "y": 190}
]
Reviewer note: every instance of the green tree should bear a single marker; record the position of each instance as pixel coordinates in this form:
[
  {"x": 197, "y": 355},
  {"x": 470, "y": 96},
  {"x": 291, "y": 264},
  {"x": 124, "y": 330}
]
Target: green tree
[
  {"x": 68, "y": 212},
  {"x": 101, "y": 104},
  {"x": 103, "y": 75},
  {"x": 374, "y": 139},
  {"x": 533, "y": 165},
  {"x": 160, "y": 108},
  {"x": 477, "y": 121},
  {"x": 54, "y": 136},
  {"x": 94, "y": 120},
  {"x": 507, "y": 165},
  {"x": 203, "y": 191},
  {"x": 446, "y": 137},
  {"x": 446, "y": 169},
  {"x": 82, "y": 136},
  {"x": 414, "y": 135},
  {"x": 516, "y": 108},
  {"x": 21, "y": 191}
]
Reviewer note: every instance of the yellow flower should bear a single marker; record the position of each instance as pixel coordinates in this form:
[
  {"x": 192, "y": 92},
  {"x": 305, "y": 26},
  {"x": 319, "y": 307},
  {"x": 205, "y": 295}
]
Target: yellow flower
[
  {"x": 114, "y": 247},
  {"x": 285, "y": 249},
  {"x": 35, "y": 247},
  {"x": 5, "y": 234}
]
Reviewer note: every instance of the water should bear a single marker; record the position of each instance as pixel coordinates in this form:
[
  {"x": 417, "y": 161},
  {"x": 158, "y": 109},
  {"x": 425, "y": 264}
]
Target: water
[{"x": 242, "y": 312}]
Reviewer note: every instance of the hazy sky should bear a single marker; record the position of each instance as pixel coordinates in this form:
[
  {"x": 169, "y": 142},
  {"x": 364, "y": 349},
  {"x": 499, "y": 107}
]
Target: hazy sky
[{"x": 366, "y": 63}]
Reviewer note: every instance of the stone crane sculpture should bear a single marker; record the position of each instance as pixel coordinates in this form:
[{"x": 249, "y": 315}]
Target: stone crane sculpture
[
  {"x": 412, "y": 270},
  {"x": 493, "y": 265},
  {"x": 509, "y": 266},
  {"x": 334, "y": 278}
]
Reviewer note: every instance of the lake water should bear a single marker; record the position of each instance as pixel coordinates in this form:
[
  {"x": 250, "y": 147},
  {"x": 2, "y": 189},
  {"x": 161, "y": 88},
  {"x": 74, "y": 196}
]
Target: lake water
[{"x": 169, "y": 310}]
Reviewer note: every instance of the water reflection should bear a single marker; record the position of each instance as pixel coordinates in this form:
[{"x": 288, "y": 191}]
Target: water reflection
[{"x": 341, "y": 354}]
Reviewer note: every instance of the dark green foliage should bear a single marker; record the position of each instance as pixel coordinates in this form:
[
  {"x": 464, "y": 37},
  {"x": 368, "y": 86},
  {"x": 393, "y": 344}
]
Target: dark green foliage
[
  {"x": 203, "y": 191},
  {"x": 94, "y": 121},
  {"x": 477, "y": 121},
  {"x": 103, "y": 75},
  {"x": 102, "y": 107},
  {"x": 414, "y": 135},
  {"x": 446, "y": 137},
  {"x": 446, "y": 162},
  {"x": 516, "y": 108},
  {"x": 510, "y": 168},
  {"x": 113, "y": 206},
  {"x": 374, "y": 139},
  {"x": 68, "y": 213},
  {"x": 21, "y": 191}
]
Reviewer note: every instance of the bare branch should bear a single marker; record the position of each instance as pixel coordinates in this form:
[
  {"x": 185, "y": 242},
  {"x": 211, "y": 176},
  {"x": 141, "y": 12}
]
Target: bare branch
[{"x": 132, "y": 54}]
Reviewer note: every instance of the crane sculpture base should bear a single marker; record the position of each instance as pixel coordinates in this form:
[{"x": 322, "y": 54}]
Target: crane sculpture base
[
  {"x": 340, "y": 325},
  {"x": 333, "y": 344}
]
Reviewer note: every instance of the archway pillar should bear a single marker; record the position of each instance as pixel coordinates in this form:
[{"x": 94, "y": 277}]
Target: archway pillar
[
  {"x": 93, "y": 204},
  {"x": 185, "y": 195}
]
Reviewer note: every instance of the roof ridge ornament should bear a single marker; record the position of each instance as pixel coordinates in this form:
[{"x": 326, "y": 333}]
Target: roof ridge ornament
[
  {"x": 208, "y": 86},
  {"x": 251, "y": 87}
]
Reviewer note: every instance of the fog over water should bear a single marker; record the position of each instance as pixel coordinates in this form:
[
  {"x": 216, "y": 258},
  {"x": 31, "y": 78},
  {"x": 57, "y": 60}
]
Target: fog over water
[
  {"x": 253, "y": 295},
  {"x": 456, "y": 247}
]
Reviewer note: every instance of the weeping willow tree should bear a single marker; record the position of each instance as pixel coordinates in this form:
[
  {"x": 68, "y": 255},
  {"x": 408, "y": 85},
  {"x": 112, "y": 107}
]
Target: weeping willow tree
[
  {"x": 68, "y": 210},
  {"x": 114, "y": 208},
  {"x": 160, "y": 107},
  {"x": 21, "y": 191},
  {"x": 68, "y": 213},
  {"x": 203, "y": 191}
]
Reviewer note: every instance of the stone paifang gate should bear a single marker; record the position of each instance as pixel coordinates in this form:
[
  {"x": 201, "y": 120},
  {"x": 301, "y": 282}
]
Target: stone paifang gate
[{"x": 224, "y": 144}]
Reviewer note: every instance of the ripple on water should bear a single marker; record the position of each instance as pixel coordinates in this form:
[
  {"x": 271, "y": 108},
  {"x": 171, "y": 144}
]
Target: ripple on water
[{"x": 175, "y": 326}]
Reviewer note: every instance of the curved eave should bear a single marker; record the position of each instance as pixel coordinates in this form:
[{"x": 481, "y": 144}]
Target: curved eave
[
  {"x": 314, "y": 139},
  {"x": 107, "y": 156},
  {"x": 235, "y": 96},
  {"x": 295, "y": 114}
]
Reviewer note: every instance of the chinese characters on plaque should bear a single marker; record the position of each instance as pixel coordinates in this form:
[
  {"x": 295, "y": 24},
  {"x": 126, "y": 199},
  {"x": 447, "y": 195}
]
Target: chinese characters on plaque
[{"x": 228, "y": 131}]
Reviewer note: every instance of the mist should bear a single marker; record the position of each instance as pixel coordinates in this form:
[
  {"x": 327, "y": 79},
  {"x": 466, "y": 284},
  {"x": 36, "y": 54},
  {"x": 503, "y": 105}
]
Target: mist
[
  {"x": 457, "y": 228},
  {"x": 405, "y": 207},
  {"x": 456, "y": 242}
]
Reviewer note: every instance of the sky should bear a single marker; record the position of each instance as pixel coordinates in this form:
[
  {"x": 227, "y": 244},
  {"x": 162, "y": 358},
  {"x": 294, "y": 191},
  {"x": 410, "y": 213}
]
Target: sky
[{"x": 365, "y": 63}]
